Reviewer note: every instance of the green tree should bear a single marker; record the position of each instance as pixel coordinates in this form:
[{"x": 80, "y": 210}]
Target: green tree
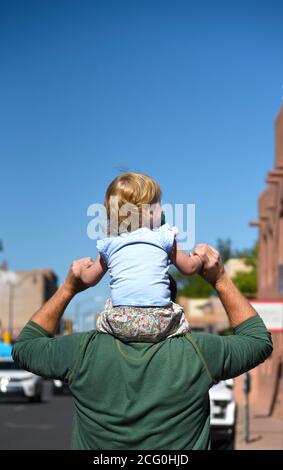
[
  {"x": 192, "y": 286},
  {"x": 250, "y": 255},
  {"x": 196, "y": 287},
  {"x": 247, "y": 282},
  {"x": 225, "y": 248}
]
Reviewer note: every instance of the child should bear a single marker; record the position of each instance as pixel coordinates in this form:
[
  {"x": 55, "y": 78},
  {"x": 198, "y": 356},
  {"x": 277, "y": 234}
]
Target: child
[{"x": 137, "y": 252}]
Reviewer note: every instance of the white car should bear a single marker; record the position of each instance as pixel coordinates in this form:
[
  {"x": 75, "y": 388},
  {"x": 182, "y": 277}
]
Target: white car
[
  {"x": 223, "y": 413},
  {"x": 18, "y": 382},
  {"x": 60, "y": 388}
]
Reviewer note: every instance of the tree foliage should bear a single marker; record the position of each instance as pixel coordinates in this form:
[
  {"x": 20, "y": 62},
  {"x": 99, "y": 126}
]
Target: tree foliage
[
  {"x": 192, "y": 286},
  {"x": 196, "y": 287},
  {"x": 246, "y": 282},
  {"x": 225, "y": 248}
]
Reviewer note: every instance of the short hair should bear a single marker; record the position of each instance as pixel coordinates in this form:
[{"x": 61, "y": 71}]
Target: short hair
[{"x": 135, "y": 190}]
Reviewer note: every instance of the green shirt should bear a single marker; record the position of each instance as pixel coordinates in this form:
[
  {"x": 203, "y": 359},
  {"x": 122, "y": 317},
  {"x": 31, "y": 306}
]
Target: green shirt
[{"x": 142, "y": 395}]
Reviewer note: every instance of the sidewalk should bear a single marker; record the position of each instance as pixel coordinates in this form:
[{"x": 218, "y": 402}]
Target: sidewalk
[{"x": 266, "y": 432}]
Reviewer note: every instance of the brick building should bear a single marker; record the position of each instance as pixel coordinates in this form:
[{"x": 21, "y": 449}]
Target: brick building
[
  {"x": 267, "y": 378},
  {"x": 270, "y": 224},
  {"x": 21, "y": 294}
]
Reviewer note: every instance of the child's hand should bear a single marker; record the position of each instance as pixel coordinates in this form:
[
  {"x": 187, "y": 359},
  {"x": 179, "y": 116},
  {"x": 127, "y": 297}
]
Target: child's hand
[
  {"x": 213, "y": 268},
  {"x": 89, "y": 272},
  {"x": 83, "y": 274},
  {"x": 73, "y": 282},
  {"x": 196, "y": 263},
  {"x": 80, "y": 266}
]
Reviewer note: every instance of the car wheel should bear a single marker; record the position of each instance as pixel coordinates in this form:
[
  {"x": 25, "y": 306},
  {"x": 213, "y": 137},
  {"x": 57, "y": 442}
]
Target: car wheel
[
  {"x": 231, "y": 444},
  {"x": 37, "y": 398}
]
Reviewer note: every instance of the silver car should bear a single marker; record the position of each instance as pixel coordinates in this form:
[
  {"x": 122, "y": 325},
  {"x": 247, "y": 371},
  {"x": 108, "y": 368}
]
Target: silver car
[
  {"x": 18, "y": 382},
  {"x": 223, "y": 415}
]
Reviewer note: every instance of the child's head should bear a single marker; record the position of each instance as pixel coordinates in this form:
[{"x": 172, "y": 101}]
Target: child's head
[{"x": 132, "y": 194}]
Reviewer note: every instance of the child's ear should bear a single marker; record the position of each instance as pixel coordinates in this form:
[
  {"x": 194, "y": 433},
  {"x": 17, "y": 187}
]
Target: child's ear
[
  {"x": 156, "y": 215},
  {"x": 152, "y": 220}
]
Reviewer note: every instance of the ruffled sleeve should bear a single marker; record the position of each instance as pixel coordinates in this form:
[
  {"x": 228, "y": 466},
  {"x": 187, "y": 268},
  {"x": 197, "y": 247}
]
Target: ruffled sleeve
[
  {"x": 167, "y": 235},
  {"x": 103, "y": 248}
]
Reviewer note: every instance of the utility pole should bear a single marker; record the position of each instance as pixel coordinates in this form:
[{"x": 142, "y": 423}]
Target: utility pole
[
  {"x": 79, "y": 314},
  {"x": 246, "y": 390}
]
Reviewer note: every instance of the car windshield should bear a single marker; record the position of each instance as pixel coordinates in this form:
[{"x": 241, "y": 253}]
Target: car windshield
[{"x": 8, "y": 365}]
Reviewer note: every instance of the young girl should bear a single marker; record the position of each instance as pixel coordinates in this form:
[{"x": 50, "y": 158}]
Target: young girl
[{"x": 137, "y": 252}]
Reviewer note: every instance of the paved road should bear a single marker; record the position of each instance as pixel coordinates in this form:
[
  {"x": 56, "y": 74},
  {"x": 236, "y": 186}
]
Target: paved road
[{"x": 44, "y": 425}]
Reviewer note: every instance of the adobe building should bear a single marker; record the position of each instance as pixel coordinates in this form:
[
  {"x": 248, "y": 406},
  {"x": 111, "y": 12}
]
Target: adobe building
[
  {"x": 208, "y": 314},
  {"x": 270, "y": 224},
  {"x": 21, "y": 294},
  {"x": 267, "y": 380}
]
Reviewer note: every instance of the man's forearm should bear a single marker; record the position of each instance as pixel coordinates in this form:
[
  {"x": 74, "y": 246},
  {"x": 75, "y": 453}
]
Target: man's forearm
[
  {"x": 236, "y": 305},
  {"x": 48, "y": 316}
]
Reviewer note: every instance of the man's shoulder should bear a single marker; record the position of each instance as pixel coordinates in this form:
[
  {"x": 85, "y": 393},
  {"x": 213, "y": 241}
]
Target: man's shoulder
[
  {"x": 77, "y": 338},
  {"x": 206, "y": 342}
]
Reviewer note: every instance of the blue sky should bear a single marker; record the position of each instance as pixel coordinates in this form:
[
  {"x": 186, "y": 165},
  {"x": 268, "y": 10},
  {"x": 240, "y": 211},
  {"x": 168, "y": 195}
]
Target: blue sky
[{"x": 182, "y": 90}]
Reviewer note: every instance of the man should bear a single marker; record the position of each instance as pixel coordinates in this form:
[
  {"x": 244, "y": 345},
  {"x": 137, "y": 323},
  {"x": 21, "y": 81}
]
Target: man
[{"x": 133, "y": 396}]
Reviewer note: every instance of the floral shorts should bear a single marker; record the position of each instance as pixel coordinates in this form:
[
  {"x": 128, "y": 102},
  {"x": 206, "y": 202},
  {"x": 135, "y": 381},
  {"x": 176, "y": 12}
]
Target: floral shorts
[{"x": 148, "y": 324}]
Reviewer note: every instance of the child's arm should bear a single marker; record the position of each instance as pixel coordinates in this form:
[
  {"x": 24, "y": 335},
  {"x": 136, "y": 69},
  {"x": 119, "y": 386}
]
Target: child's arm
[
  {"x": 186, "y": 264},
  {"x": 91, "y": 272}
]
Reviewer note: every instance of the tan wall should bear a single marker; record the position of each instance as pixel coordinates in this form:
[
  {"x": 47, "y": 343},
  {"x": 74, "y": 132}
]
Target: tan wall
[
  {"x": 32, "y": 291},
  {"x": 270, "y": 222},
  {"x": 236, "y": 265},
  {"x": 266, "y": 382},
  {"x": 266, "y": 392}
]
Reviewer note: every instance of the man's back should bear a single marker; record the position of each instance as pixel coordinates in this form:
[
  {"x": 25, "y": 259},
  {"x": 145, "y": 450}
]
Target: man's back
[{"x": 142, "y": 395}]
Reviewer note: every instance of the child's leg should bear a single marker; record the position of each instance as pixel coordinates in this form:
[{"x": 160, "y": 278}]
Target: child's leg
[
  {"x": 149, "y": 324},
  {"x": 181, "y": 325}
]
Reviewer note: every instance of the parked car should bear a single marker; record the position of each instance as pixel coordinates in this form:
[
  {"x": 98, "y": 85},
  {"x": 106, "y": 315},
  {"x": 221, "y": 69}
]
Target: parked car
[
  {"x": 223, "y": 416},
  {"x": 59, "y": 387},
  {"x": 15, "y": 381}
]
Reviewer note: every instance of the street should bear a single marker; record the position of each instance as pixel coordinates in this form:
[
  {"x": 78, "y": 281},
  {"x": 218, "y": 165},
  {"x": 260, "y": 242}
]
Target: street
[
  {"x": 39, "y": 426},
  {"x": 45, "y": 425}
]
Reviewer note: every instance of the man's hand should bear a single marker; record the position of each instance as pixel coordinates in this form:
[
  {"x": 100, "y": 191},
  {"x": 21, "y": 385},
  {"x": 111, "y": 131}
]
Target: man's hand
[
  {"x": 236, "y": 305},
  {"x": 213, "y": 268},
  {"x": 48, "y": 316},
  {"x": 73, "y": 283}
]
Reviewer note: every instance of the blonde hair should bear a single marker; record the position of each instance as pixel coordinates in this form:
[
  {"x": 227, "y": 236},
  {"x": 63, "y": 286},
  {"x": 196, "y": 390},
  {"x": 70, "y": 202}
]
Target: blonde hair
[{"x": 134, "y": 190}]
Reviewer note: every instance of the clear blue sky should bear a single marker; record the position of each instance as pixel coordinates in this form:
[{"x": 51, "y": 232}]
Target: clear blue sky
[{"x": 186, "y": 91}]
